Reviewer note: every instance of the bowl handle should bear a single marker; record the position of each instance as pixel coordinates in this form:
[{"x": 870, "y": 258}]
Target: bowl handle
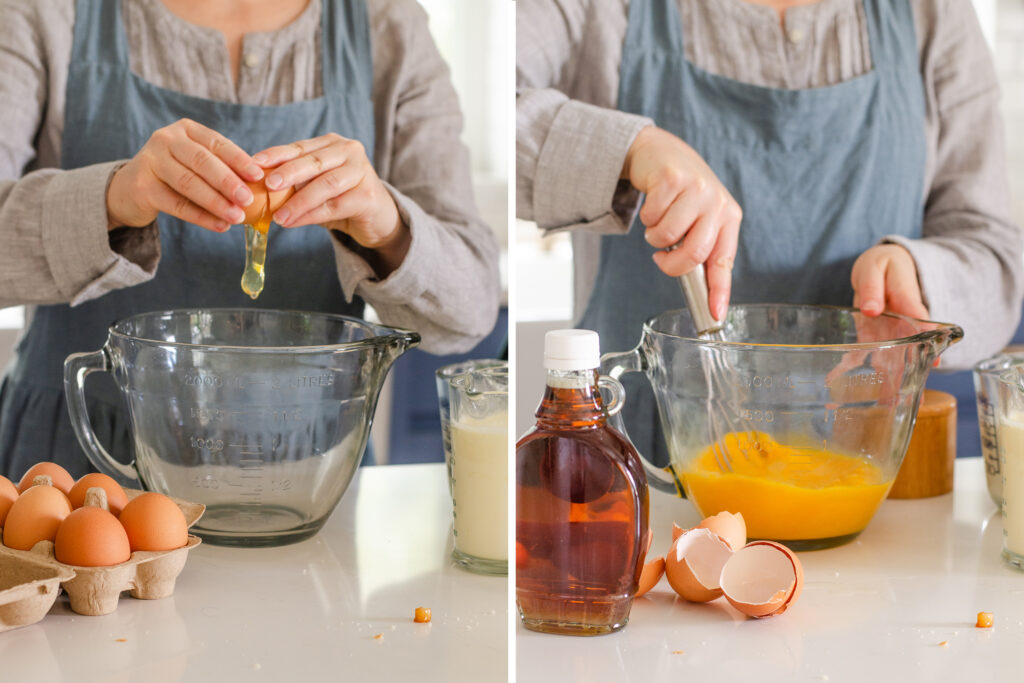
[
  {"x": 76, "y": 368},
  {"x": 614, "y": 365}
]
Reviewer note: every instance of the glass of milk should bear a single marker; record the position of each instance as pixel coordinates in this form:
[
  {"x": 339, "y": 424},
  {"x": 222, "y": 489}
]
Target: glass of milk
[
  {"x": 1010, "y": 440},
  {"x": 986, "y": 390},
  {"x": 442, "y": 377},
  {"x": 479, "y": 468}
]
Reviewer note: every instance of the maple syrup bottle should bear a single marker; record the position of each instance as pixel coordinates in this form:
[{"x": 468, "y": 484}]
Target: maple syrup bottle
[{"x": 581, "y": 500}]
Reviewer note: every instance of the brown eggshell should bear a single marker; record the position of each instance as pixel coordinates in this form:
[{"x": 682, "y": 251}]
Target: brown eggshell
[
  {"x": 91, "y": 537},
  {"x": 694, "y": 564},
  {"x": 154, "y": 522},
  {"x": 258, "y": 207},
  {"x": 35, "y": 516},
  {"x": 730, "y": 528},
  {"x": 8, "y": 494},
  {"x": 762, "y": 579},
  {"x": 277, "y": 198},
  {"x": 650, "y": 575},
  {"x": 265, "y": 201},
  {"x": 677, "y": 531},
  {"x": 58, "y": 476},
  {"x": 116, "y": 497}
]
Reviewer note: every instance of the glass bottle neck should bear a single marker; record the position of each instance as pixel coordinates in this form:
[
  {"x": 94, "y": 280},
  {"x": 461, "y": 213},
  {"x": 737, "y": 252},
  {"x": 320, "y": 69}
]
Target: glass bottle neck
[{"x": 571, "y": 400}]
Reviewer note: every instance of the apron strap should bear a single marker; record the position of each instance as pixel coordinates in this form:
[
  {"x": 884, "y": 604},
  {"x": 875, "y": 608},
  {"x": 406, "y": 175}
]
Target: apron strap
[
  {"x": 99, "y": 33},
  {"x": 892, "y": 35},
  {"x": 347, "y": 53},
  {"x": 656, "y": 23}
]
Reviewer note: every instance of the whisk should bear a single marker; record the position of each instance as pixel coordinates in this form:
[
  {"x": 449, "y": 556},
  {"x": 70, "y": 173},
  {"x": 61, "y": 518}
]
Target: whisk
[{"x": 721, "y": 420}]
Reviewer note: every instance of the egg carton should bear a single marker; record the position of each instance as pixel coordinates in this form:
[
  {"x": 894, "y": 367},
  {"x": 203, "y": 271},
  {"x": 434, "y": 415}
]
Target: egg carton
[
  {"x": 28, "y": 589},
  {"x": 94, "y": 591}
]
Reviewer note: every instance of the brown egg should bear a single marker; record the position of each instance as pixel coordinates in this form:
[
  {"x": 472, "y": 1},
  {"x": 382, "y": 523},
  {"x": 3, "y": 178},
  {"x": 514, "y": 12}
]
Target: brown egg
[
  {"x": 116, "y": 497},
  {"x": 730, "y": 528},
  {"x": 8, "y": 494},
  {"x": 762, "y": 579},
  {"x": 35, "y": 516},
  {"x": 265, "y": 202},
  {"x": 91, "y": 537},
  {"x": 154, "y": 522},
  {"x": 694, "y": 564},
  {"x": 58, "y": 475}
]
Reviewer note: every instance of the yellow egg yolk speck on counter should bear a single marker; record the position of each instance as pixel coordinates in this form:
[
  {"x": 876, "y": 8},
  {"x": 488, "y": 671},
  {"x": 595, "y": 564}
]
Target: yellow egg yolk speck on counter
[{"x": 786, "y": 493}]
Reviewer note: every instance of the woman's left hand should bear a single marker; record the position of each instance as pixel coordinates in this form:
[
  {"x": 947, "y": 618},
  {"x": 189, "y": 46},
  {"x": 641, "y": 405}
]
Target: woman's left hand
[
  {"x": 884, "y": 280},
  {"x": 336, "y": 187}
]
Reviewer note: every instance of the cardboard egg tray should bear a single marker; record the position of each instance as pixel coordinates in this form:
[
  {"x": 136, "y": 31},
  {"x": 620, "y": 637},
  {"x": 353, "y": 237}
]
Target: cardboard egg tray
[{"x": 29, "y": 578}]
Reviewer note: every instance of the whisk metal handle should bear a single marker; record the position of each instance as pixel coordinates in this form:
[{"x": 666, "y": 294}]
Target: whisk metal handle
[{"x": 695, "y": 288}]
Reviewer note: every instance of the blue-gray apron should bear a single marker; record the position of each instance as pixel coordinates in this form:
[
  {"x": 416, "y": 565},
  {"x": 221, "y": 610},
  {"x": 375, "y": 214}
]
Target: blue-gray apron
[
  {"x": 110, "y": 113},
  {"x": 822, "y": 174}
]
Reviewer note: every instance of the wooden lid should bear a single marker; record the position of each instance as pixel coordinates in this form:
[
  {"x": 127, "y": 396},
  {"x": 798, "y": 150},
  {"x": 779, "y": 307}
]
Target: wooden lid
[{"x": 935, "y": 404}]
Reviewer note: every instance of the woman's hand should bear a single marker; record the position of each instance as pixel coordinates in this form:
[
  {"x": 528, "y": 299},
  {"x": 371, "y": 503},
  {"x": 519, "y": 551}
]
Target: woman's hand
[
  {"x": 336, "y": 187},
  {"x": 185, "y": 170},
  {"x": 685, "y": 202},
  {"x": 884, "y": 279}
]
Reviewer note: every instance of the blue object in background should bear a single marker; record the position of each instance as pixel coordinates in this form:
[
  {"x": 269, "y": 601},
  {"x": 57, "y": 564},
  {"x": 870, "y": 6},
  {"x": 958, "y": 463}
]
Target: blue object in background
[
  {"x": 961, "y": 385},
  {"x": 415, "y": 434}
]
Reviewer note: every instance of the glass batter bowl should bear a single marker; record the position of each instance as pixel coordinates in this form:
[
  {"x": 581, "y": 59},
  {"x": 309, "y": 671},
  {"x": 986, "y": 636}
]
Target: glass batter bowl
[
  {"x": 260, "y": 415},
  {"x": 799, "y": 420}
]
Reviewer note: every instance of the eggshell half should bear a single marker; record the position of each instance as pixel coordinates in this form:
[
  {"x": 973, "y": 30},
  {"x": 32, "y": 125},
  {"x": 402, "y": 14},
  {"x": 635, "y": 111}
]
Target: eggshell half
[
  {"x": 762, "y": 579},
  {"x": 265, "y": 201},
  {"x": 694, "y": 564},
  {"x": 677, "y": 531},
  {"x": 730, "y": 527},
  {"x": 35, "y": 516},
  {"x": 650, "y": 575},
  {"x": 8, "y": 494},
  {"x": 58, "y": 475}
]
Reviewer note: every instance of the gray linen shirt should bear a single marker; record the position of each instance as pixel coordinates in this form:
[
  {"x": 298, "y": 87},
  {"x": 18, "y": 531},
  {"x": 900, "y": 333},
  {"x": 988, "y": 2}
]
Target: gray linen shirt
[
  {"x": 53, "y": 223},
  {"x": 969, "y": 259}
]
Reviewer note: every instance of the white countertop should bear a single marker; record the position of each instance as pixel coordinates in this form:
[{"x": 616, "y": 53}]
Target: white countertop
[
  {"x": 873, "y": 610},
  {"x": 302, "y": 612}
]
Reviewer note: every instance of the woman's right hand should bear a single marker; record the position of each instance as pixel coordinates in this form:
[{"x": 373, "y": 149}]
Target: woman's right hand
[
  {"x": 185, "y": 170},
  {"x": 687, "y": 206}
]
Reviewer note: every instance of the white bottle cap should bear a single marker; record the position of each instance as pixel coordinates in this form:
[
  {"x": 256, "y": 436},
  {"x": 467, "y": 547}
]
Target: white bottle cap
[{"x": 571, "y": 350}]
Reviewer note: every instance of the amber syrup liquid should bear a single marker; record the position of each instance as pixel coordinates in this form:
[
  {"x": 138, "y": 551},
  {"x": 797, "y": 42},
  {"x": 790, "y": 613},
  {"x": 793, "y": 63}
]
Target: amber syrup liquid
[{"x": 581, "y": 517}]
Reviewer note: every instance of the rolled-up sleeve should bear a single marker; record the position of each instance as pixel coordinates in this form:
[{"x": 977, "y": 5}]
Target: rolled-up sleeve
[
  {"x": 569, "y": 154},
  {"x": 448, "y": 287},
  {"x": 969, "y": 259},
  {"x": 53, "y": 223}
]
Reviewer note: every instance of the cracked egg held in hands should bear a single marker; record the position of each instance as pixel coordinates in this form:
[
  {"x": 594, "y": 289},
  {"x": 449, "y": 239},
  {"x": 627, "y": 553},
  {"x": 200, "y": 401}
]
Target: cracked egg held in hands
[{"x": 257, "y": 227}]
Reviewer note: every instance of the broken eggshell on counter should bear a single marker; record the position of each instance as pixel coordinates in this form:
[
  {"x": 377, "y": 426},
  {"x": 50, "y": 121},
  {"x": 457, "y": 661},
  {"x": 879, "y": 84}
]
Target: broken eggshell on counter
[
  {"x": 729, "y": 527},
  {"x": 652, "y": 571},
  {"x": 694, "y": 564},
  {"x": 760, "y": 579}
]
